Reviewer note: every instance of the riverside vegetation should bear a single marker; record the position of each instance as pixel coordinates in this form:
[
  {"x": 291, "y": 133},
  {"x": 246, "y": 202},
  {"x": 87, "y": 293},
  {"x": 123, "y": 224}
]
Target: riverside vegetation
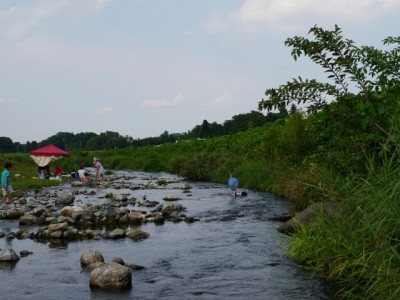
[{"x": 344, "y": 148}]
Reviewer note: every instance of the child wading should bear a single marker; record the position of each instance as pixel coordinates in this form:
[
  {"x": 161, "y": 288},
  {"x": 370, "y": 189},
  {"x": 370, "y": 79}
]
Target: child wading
[
  {"x": 6, "y": 187},
  {"x": 99, "y": 169}
]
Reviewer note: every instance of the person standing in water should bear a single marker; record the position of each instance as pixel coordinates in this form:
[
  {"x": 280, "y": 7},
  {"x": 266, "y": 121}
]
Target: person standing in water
[{"x": 99, "y": 169}]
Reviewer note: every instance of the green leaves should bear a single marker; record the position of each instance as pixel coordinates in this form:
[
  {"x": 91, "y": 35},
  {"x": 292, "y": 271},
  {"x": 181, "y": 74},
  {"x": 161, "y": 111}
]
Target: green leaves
[
  {"x": 348, "y": 67},
  {"x": 301, "y": 91}
]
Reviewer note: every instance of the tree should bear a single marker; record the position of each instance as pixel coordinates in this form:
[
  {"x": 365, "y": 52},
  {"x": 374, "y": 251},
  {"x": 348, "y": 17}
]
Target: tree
[
  {"x": 6, "y": 145},
  {"x": 366, "y": 69}
]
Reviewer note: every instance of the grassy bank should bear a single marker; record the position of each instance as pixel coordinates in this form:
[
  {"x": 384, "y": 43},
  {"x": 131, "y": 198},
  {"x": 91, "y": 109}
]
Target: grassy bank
[{"x": 359, "y": 247}]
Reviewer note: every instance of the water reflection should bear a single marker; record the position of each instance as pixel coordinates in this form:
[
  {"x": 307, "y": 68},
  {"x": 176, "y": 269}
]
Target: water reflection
[
  {"x": 7, "y": 266},
  {"x": 58, "y": 244}
]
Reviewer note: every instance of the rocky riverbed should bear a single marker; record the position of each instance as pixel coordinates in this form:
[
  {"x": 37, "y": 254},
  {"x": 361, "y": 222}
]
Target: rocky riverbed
[
  {"x": 102, "y": 211},
  {"x": 179, "y": 239}
]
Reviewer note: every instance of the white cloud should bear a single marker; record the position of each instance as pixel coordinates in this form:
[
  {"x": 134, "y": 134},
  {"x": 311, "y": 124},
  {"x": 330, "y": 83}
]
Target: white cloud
[
  {"x": 163, "y": 102},
  {"x": 104, "y": 110},
  {"x": 224, "y": 98},
  {"x": 217, "y": 23},
  {"x": 284, "y": 15},
  {"x": 10, "y": 101},
  {"x": 17, "y": 20}
]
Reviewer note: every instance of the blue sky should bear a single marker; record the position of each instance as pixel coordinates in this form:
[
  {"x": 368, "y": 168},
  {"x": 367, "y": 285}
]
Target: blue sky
[{"x": 141, "y": 67}]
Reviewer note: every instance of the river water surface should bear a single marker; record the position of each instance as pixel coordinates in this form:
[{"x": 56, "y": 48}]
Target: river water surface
[{"x": 233, "y": 252}]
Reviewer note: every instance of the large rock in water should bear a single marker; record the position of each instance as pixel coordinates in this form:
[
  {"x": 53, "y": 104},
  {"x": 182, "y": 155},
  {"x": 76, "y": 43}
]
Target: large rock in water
[
  {"x": 91, "y": 256},
  {"x": 9, "y": 255},
  {"x": 111, "y": 276},
  {"x": 137, "y": 234}
]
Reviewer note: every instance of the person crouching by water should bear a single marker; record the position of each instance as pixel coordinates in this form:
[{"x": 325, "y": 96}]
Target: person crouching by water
[
  {"x": 83, "y": 175},
  {"x": 75, "y": 176},
  {"x": 99, "y": 169},
  {"x": 6, "y": 187},
  {"x": 233, "y": 184},
  {"x": 43, "y": 172}
]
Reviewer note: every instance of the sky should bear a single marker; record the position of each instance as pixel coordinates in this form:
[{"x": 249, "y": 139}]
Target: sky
[{"x": 142, "y": 67}]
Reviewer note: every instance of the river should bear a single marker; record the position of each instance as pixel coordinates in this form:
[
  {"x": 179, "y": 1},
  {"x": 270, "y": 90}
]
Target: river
[{"x": 233, "y": 252}]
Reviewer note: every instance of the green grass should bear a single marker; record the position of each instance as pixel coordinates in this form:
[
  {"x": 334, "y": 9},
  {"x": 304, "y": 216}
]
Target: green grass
[
  {"x": 359, "y": 246},
  {"x": 23, "y": 172}
]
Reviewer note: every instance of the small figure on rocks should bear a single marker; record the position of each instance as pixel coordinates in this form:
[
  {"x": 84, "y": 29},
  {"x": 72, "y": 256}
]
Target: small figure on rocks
[
  {"x": 83, "y": 175},
  {"x": 6, "y": 187},
  {"x": 99, "y": 169}
]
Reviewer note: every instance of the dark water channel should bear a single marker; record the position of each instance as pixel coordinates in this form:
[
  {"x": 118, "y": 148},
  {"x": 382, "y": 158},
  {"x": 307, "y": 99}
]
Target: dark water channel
[{"x": 233, "y": 252}]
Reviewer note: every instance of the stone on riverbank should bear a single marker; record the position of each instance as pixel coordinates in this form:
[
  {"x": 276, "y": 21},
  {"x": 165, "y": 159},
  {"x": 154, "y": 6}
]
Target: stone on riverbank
[
  {"x": 65, "y": 199},
  {"x": 28, "y": 219},
  {"x": 308, "y": 216}
]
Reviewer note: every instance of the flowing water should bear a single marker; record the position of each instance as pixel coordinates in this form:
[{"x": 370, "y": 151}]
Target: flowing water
[{"x": 233, "y": 252}]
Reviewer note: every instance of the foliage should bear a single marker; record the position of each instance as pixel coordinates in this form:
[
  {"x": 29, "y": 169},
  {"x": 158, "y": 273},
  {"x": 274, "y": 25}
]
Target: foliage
[
  {"x": 6, "y": 145},
  {"x": 113, "y": 140},
  {"x": 366, "y": 68},
  {"x": 359, "y": 245}
]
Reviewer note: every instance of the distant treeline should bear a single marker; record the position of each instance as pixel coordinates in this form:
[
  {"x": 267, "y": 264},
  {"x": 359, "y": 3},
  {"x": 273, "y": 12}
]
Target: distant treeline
[{"x": 113, "y": 140}]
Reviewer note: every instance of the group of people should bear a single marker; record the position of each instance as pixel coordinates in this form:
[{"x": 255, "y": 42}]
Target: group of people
[{"x": 83, "y": 176}]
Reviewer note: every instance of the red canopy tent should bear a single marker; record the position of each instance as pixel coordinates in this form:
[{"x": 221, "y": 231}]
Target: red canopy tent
[{"x": 43, "y": 156}]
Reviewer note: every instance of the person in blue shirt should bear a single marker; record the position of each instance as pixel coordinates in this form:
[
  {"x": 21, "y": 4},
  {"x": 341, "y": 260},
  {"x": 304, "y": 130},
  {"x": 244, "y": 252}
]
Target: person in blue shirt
[
  {"x": 233, "y": 184},
  {"x": 6, "y": 187}
]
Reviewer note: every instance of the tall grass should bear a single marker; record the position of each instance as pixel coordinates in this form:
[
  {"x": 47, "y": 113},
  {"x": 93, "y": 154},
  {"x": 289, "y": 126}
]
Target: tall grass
[{"x": 360, "y": 245}]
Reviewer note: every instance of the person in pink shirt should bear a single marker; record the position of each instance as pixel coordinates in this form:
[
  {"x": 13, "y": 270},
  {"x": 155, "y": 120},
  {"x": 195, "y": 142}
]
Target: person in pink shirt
[{"x": 99, "y": 169}]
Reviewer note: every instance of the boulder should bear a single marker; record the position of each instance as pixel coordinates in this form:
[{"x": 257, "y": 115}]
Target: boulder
[
  {"x": 68, "y": 211},
  {"x": 28, "y": 219},
  {"x": 9, "y": 255},
  {"x": 119, "y": 260},
  {"x": 65, "y": 199},
  {"x": 111, "y": 276},
  {"x": 13, "y": 214},
  {"x": 90, "y": 256},
  {"x": 171, "y": 198},
  {"x": 309, "y": 216},
  {"x": 135, "y": 217},
  {"x": 137, "y": 234},
  {"x": 57, "y": 226},
  {"x": 117, "y": 233}
]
